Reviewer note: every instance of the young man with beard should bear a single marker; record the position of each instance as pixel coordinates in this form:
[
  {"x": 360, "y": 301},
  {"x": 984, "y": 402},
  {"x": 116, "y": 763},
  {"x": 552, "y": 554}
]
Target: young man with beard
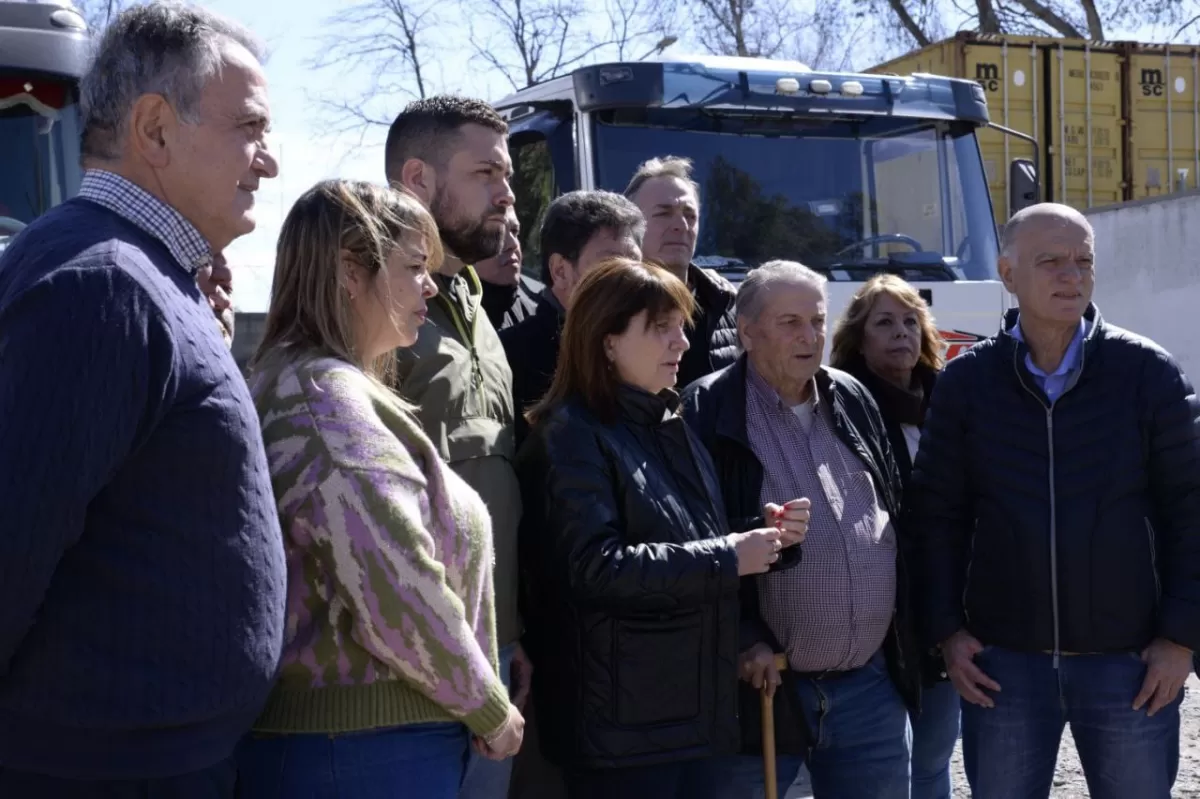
[{"x": 452, "y": 154}]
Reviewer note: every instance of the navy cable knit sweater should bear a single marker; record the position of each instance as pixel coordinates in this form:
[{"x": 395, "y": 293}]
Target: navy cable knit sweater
[{"x": 142, "y": 572}]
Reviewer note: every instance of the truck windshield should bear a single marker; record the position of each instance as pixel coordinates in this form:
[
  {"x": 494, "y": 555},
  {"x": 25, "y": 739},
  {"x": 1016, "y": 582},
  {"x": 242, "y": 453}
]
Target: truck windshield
[
  {"x": 39, "y": 148},
  {"x": 847, "y": 196}
]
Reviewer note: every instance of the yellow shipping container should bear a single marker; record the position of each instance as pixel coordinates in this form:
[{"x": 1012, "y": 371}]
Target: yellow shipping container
[{"x": 1114, "y": 121}]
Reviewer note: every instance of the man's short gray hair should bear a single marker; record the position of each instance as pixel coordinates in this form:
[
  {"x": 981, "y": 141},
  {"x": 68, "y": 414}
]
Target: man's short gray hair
[
  {"x": 672, "y": 166},
  {"x": 164, "y": 48},
  {"x": 752, "y": 293}
]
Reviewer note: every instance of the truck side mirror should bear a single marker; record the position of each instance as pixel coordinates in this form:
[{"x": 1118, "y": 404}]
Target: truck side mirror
[{"x": 1023, "y": 189}]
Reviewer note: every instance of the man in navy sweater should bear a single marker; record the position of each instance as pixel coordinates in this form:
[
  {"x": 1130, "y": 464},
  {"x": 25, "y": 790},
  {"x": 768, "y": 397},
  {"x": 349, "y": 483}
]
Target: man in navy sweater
[{"x": 142, "y": 573}]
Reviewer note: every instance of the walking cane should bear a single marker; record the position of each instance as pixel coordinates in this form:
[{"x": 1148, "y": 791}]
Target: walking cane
[{"x": 768, "y": 733}]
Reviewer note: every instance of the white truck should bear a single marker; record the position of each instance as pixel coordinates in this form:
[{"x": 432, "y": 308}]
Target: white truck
[
  {"x": 851, "y": 174},
  {"x": 43, "y": 54}
]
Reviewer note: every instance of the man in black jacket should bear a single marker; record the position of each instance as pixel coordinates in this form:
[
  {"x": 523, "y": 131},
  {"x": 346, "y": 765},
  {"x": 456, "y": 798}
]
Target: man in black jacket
[
  {"x": 778, "y": 424},
  {"x": 670, "y": 200},
  {"x": 1055, "y": 510},
  {"x": 509, "y": 297},
  {"x": 579, "y": 230}
]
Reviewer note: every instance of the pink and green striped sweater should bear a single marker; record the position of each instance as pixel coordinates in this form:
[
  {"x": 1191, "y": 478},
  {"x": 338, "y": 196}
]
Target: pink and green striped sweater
[{"x": 390, "y": 615}]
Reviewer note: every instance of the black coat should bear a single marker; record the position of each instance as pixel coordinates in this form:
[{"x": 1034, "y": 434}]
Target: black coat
[
  {"x": 531, "y": 347},
  {"x": 506, "y": 306},
  {"x": 927, "y": 377},
  {"x": 1073, "y": 525},
  {"x": 933, "y": 664},
  {"x": 715, "y": 407},
  {"x": 630, "y": 588},
  {"x": 714, "y": 339}
]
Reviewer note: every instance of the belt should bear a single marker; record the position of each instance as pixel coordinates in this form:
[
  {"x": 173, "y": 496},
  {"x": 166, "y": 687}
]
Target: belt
[{"x": 827, "y": 674}]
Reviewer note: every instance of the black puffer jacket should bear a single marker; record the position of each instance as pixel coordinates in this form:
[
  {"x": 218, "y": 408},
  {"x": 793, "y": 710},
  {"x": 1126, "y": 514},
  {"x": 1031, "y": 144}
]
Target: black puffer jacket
[
  {"x": 631, "y": 590},
  {"x": 715, "y": 407},
  {"x": 1072, "y": 526},
  {"x": 714, "y": 345}
]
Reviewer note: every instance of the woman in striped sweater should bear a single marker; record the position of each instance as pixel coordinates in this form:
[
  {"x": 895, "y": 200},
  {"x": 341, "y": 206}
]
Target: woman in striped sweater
[{"x": 389, "y": 668}]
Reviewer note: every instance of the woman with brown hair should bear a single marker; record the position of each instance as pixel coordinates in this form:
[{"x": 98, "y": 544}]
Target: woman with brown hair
[
  {"x": 888, "y": 340},
  {"x": 631, "y": 583}
]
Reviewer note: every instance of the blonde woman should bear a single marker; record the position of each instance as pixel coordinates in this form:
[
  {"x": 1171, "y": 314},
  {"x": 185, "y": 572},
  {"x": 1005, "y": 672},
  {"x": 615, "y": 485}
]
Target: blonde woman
[
  {"x": 390, "y": 658},
  {"x": 888, "y": 340}
]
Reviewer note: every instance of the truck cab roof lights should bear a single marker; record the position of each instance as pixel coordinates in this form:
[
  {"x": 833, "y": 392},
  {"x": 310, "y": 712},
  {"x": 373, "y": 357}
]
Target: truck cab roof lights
[
  {"x": 787, "y": 86},
  {"x": 791, "y": 86},
  {"x": 68, "y": 18}
]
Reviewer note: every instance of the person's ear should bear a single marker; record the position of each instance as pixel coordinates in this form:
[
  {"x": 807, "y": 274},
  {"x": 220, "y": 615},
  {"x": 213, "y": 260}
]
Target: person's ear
[
  {"x": 153, "y": 127},
  {"x": 419, "y": 179},
  {"x": 353, "y": 277}
]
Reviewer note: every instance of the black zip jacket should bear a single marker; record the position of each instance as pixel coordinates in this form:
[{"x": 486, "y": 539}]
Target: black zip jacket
[
  {"x": 1071, "y": 526},
  {"x": 715, "y": 407},
  {"x": 631, "y": 588},
  {"x": 714, "y": 339},
  {"x": 531, "y": 347}
]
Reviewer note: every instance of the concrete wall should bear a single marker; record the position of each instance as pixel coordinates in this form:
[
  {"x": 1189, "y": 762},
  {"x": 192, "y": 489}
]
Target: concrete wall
[{"x": 1148, "y": 271}]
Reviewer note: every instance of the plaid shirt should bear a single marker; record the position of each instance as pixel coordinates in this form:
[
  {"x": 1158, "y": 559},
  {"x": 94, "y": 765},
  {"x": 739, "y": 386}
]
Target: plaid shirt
[
  {"x": 129, "y": 200},
  {"x": 832, "y": 611}
]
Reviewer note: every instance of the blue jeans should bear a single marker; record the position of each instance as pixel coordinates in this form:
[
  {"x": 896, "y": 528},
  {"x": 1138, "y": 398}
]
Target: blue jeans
[
  {"x": 414, "y": 761},
  {"x": 934, "y": 734},
  {"x": 215, "y": 782},
  {"x": 1010, "y": 751},
  {"x": 862, "y": 742},
  {"x": 488, "y": 779}
]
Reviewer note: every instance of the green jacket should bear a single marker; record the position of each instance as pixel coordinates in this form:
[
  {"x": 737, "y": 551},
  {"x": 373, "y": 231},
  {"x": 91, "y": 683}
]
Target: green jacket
[{"x": 464, "y": 402}]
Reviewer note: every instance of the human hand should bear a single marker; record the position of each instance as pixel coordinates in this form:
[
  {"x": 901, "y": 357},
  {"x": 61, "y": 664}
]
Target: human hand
[
  {"x": 1167, "y": 668},
  {"x": 756, "y": 550},
  {"x": 757, "y": 666},
  {"x": 960, "y": 650},
  {"x": 506, "y": 741},
  {"x": 791, "y": 519}
]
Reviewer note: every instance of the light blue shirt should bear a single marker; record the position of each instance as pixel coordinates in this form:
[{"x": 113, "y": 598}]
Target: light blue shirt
[{"x": 1056, "y": 382}]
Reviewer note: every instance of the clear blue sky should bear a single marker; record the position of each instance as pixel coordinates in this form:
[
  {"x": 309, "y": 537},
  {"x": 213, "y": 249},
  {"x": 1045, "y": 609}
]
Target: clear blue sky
[{"x": 293, "y": 31}]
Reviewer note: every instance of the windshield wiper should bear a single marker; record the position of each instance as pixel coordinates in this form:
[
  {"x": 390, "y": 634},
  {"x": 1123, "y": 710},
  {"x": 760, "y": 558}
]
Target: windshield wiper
[
  {"x": 927, "y": 266},
  {"x": 722, "y": 263}
]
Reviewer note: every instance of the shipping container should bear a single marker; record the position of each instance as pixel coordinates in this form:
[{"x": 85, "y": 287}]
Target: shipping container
[{"x": 1114, "y": 121}]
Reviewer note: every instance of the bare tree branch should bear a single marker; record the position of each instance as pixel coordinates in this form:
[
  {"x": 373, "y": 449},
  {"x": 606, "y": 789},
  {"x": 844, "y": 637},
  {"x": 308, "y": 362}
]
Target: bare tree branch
[
  {"x": 1094, "y": 23},
  {"x": 754, "y": 28},
  {"x": 385, "y": 39},
  {"x": 988, "y": 21},
  {"x": 1048, "y": 17},
  {"x": 910, "y": 24},
  {"x": 530, "y": 41},
  {"x": 1185, "y": 26}
]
